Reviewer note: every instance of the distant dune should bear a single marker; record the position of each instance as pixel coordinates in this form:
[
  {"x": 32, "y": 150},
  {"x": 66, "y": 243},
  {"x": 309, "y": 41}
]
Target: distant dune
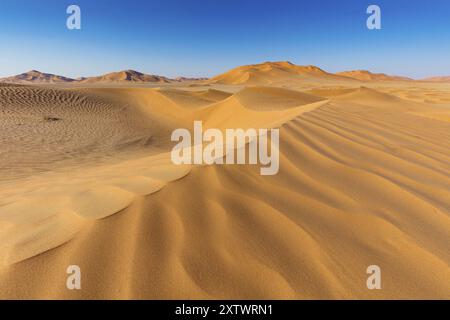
[
  {"x": 126, "y": 76},
  {"x": 34, "y": 76},
  {"x": 182, "y": 79},
  {"x": 438, "y": 79},
  {"x": 273, "y": 72},
  {"x": 365, "y": 75}
]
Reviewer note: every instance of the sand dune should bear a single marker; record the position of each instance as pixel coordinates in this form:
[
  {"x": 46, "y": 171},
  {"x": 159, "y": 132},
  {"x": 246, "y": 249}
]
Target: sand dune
[
  {"x": 365, "y": 75},
  {"x": 364, "y": 179},
  {"x": 276, "y": 73}
]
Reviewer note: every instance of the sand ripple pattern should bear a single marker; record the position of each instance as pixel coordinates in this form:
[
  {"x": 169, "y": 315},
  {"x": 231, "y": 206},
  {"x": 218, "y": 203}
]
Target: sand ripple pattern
[{"x": 43, "y": 128}]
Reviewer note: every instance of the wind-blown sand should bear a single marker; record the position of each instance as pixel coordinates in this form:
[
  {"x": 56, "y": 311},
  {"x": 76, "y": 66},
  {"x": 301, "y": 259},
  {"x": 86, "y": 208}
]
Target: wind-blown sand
[{"x": 364, "y": 179}]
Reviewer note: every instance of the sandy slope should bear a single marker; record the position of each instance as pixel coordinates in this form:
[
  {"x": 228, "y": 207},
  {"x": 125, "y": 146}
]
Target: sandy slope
[{"x": 364, "y": 179}]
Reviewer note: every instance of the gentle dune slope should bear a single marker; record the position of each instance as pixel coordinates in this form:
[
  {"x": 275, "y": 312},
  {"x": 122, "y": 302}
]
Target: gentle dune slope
[
  {"x": 195, "y": 99},
  {"x": 371, "y": 97},
  {"x": 363, "y": 180},
  {"x": 257, "y": 107},
  {"x": 267, "y": 98},
  {"x": 330, "y": 92}
]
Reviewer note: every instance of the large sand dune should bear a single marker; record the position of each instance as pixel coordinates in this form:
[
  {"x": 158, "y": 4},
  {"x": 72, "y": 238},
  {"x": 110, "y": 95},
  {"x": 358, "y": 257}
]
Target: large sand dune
[
  {"x": 364, "y": 179},
  {"x": 366, "y": 75},
  {"x": 281, "y": 73}
]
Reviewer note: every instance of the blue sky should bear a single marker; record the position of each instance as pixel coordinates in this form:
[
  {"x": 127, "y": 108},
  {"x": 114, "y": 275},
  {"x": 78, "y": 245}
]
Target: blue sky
[{"x": 208, "y": 37}]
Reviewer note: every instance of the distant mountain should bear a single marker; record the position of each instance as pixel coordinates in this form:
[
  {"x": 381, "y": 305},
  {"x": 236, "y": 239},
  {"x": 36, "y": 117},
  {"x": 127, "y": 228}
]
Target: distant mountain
[
  {"x": 365, "y": 75},
  {"x": 438, "y": 79},
  {"x": 126, "y": 76},
  {"x": 35, "y": 76},
  {"x": 273, "y": 72},
  {"x": 181, "y": 79}
]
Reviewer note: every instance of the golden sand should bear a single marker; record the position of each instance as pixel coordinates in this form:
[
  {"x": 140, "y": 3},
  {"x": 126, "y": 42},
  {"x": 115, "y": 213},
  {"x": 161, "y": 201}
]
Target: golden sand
[{"x": 364, "y": 179}]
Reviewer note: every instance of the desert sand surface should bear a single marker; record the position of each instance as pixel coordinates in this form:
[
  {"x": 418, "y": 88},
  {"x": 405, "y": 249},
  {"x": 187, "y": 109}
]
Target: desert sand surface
[{"x": 86, "y": 179}]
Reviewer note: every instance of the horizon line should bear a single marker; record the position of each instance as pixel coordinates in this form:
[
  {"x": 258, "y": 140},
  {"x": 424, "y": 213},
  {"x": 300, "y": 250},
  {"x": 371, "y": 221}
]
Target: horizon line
[{"x": 207, "y": 77}]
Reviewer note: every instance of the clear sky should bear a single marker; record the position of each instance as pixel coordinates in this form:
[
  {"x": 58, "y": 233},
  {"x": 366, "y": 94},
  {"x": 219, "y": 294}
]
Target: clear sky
[{"x": 208, "y": 37}]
